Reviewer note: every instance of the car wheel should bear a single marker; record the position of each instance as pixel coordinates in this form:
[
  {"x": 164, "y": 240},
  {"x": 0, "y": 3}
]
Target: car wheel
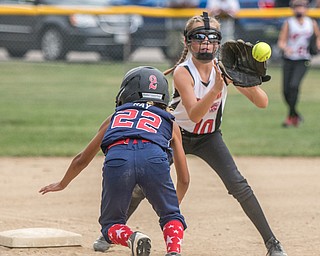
[
  {"x": 172, "y": 51},
  {"x": 170, "y": 55},
  {"x": 16, "y": 53},
  {"x": 52, "y": 45}
]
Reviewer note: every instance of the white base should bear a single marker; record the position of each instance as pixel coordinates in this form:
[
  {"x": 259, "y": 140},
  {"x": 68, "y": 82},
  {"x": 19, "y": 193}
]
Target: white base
[{"x": 39, "y": 237}]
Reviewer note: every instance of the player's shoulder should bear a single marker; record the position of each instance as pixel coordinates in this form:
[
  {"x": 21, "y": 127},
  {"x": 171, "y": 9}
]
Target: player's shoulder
[
  {"x": 184, "y": 71},
  {"x": 181, "y": 71}
]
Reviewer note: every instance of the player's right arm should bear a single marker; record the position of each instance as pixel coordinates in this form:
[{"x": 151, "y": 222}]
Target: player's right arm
[
  {"x": 80, "y": 161},
  {"x": 196, "y": 109},
  {"x": 256, "y": 95},
  {"x": 180, "y": 163}
]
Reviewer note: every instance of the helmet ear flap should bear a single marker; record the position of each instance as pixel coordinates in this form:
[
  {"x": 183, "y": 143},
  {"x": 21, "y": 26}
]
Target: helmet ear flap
[
  {"x": 128, "y": 88},
  {"x": 118, "y": 98}
]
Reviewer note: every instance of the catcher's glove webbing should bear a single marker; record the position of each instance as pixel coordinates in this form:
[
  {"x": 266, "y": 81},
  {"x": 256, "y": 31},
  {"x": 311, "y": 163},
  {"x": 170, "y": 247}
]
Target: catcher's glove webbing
[{"x": 237, "y": 63}]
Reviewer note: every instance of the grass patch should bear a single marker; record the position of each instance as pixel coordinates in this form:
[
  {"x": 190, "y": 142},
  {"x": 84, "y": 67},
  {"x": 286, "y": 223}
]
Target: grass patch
[{"x": 53, "y": 109}]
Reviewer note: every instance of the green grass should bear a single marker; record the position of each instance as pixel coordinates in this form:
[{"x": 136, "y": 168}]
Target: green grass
[
  {"x": 54, "y": 109},
  {"x": 252, "y": 131}
]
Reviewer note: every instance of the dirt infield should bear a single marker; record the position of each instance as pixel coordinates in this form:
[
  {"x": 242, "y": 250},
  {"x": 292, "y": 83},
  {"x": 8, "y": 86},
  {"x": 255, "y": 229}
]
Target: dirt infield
[{"x": 287, "y": 188}]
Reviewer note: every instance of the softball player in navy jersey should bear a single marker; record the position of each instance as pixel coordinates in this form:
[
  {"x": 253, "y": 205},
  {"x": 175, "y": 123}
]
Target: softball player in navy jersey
[{"x": 137, "y": 141}]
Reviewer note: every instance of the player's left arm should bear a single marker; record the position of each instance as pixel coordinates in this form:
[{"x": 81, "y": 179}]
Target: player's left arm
[
  {"x": 256, "y": 95},
  {"x": 180, "y": 163},
  {"x": 80, "y": 161},
  {"x": 283, "y": 36},
  {"x": 316, "y": 32}
]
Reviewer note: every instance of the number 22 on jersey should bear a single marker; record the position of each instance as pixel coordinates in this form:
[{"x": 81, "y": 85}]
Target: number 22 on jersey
[{"x": 147, "y": 120}]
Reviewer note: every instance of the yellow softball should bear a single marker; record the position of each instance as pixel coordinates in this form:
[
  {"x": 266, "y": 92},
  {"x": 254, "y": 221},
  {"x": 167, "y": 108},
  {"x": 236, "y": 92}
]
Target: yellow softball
[{"x": 261, "y": 51}]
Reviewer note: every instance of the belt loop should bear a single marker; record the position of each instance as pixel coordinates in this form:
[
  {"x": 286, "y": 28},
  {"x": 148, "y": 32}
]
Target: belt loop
[
  {"x": 129, "y": 142},
  {"x": 140, "y": 144}
]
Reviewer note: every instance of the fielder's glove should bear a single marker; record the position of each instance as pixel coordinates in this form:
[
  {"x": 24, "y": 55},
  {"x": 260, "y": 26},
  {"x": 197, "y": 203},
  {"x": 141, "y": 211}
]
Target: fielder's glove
[{"x": 237, "y": 63}]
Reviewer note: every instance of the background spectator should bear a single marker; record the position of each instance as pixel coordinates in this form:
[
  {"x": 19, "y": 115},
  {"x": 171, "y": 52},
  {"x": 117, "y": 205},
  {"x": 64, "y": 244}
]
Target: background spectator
[
  {"x": 224, "y": 11},
  {"x": 294, "y": 39}
]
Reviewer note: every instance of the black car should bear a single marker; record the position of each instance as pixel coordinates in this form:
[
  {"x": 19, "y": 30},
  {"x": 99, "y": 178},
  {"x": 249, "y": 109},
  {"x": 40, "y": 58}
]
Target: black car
[{"x": 56, "y": 35}]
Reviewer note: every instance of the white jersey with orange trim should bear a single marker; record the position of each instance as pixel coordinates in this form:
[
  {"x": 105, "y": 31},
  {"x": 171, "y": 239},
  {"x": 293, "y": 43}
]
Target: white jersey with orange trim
[
  {"x": 212, "y": 119},
  {"x": 298, "y": 38}
]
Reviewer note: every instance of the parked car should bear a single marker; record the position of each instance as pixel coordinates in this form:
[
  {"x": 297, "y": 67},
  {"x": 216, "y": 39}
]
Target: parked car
[
  {"x": 165, "y": 33},
  {"x": 56, "y": 35},
  {"x": 112, "y": 36}
]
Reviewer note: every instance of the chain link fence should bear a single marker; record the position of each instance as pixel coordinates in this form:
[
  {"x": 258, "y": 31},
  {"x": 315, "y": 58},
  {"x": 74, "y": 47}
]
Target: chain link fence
[
  {"x": 57, "y": 34},
  {"x": 57, "y": 30},
  {"x": 90, "y": 30}
]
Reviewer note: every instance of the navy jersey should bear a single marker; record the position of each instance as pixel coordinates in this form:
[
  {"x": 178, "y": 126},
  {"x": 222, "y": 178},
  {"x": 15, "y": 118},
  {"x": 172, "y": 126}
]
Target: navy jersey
[{"x": 139, "y": 121}]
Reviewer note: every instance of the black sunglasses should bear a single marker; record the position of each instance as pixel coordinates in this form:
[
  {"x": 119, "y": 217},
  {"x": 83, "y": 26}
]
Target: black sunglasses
[{"x": 202, "y": 36}]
